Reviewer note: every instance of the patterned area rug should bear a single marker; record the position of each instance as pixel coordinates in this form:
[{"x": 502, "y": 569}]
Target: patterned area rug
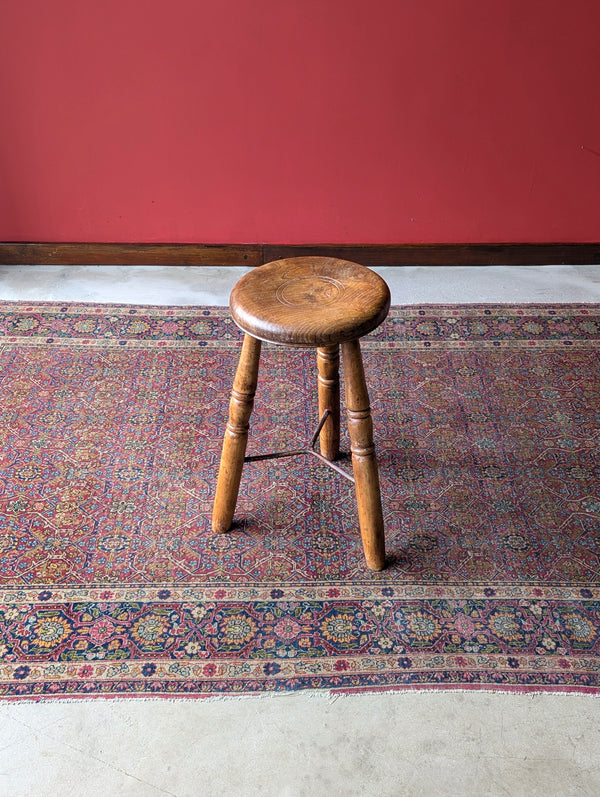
[{"x": 487, "y": 422}]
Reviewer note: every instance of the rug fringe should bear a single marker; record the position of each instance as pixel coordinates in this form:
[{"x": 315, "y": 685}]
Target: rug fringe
[{"x": 327, "y": 695}]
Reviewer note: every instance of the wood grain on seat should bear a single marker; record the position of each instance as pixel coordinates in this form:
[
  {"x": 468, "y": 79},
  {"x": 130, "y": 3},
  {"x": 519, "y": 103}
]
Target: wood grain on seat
[{"x": 309, "y": 301}]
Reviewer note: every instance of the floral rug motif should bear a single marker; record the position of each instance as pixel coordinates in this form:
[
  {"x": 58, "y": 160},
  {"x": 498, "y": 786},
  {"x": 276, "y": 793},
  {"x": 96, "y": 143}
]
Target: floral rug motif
[{"x": 487, "y": 424}]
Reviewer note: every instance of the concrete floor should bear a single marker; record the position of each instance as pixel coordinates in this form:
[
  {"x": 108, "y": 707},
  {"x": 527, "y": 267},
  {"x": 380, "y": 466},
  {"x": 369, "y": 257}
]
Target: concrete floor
[
  {"x": 189, "y": 285},
  {"x": 421, "y": 743}
]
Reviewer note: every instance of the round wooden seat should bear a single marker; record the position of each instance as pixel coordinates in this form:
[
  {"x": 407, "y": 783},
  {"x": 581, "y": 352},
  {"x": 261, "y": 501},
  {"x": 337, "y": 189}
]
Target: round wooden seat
[{"x": 309, "y": 301}]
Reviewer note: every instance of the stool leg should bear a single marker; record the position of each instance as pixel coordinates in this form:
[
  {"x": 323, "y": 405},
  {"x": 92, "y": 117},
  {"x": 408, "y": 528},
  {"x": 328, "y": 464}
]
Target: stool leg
[
  {"x": 364, "y": 462},
  {"x": 236, "y": 435},
  {"x": 328, "y": 363}
]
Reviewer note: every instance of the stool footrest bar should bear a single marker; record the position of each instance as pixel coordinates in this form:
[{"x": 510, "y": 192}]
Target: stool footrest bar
[
  {"x": 331, "y": 464},
  {"x": 276, "y": 455},
  {"x": 300, "y": 451}
]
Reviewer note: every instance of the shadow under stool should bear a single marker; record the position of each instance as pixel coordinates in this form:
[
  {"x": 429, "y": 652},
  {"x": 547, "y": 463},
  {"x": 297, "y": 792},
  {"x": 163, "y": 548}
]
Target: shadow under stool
[{"x": 321, "y": 303}]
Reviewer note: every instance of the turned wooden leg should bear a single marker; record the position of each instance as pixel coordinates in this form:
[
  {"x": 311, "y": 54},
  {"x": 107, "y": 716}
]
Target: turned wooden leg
[
  {"x": 236, "y": 435},
  {"x": 364, "y": 462},
  {"x": 328, "y": 362}
]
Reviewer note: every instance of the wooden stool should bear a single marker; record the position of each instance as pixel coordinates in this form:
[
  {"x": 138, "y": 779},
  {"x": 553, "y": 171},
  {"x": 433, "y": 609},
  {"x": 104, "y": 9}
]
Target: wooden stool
[{"x": 322, "y": 303}]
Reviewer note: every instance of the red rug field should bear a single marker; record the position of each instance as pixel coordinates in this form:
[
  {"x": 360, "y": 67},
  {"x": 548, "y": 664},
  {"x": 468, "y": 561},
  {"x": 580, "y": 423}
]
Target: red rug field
[{"x": 487, "y": 423}]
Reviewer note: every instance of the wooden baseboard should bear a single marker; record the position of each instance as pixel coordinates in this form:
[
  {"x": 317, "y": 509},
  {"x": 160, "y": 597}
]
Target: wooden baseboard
[
  {"x": 163, "y": 254},
  {"x": 101, "y": 254},
  {"x": 475, "y": 254}
]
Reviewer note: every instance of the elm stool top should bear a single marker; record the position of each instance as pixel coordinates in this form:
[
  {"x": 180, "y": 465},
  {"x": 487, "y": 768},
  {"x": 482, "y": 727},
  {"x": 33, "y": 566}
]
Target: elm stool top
[{"x": 309, "y": 301}]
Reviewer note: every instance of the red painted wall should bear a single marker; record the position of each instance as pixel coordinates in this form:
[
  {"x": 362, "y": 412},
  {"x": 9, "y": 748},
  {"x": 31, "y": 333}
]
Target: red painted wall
[{"x": 299, "y": 121}]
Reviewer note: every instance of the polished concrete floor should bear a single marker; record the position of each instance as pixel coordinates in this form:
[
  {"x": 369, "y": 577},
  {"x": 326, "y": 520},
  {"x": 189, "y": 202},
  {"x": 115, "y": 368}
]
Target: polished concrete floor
[
  {"x": 189, "y": 285},
  {"x": 419, "y": 743}
]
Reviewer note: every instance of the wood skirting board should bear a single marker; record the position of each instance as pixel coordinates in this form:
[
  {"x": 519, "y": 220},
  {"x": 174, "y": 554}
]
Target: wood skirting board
[{"x": 163, "y": 254}]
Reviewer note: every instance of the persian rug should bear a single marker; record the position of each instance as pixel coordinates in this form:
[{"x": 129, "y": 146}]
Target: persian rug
[{"x": 487, "y": 421}]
